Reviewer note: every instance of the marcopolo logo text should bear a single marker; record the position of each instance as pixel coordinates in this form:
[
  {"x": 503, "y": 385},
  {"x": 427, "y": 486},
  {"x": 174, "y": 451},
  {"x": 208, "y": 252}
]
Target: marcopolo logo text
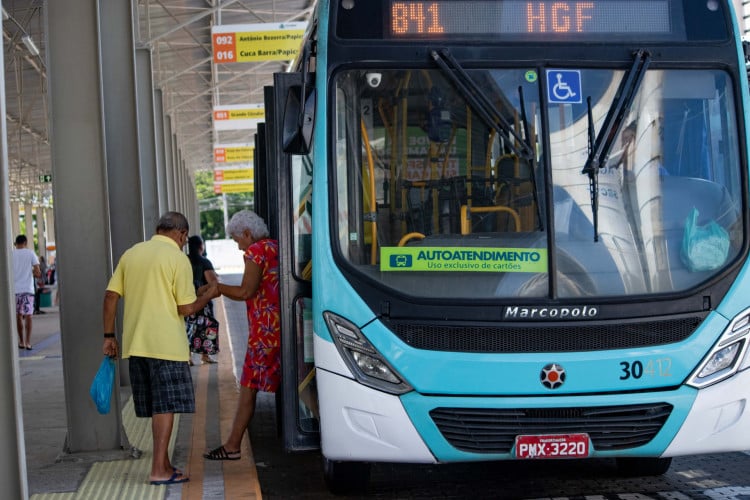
[{"x": 551, "y": 313}]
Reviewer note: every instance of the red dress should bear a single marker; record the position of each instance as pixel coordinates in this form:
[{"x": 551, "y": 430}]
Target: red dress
[{"x": 262, "y": 368}]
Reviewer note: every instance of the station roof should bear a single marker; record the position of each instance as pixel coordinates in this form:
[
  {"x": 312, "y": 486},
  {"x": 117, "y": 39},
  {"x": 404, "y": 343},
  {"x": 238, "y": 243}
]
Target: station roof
[{"x": 178, "y": 33}]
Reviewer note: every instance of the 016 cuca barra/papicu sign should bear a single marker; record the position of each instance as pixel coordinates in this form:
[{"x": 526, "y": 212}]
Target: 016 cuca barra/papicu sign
[{"x": 236, "y": 43}]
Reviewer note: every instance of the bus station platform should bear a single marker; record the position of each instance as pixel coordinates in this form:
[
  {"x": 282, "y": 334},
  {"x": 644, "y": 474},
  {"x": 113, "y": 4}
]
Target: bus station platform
[
  {"x": 53, "y": 474},
  {"x": 267, "y": 471}
]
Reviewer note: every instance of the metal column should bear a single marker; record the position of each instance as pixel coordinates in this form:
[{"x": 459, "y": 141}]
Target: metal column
[
  {"x": 13, "y": 455},
  {"x": 50, "y": 226},
  {"x": 28, "y": 217},
  {"x": 161, "y": 154},
  {"x": 146, "y": 139},
  {"x": 169, "y": 155},
  {"x": 41, "y": 238},
  {"x": 15, "y": 217},
  {"x": 81, "y": 205}
]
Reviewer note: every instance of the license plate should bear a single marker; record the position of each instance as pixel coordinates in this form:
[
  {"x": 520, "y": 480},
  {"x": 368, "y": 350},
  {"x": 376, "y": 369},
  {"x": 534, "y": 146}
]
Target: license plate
[{"x": 553, "y": 446}]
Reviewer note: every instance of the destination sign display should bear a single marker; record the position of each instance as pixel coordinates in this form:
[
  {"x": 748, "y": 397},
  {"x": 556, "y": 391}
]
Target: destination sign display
[{"x": 532, "y": 19}]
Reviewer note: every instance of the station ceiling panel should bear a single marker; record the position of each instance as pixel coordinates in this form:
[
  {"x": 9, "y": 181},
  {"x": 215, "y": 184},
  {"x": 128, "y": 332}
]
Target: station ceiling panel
[{"x": 178, "y": 33}]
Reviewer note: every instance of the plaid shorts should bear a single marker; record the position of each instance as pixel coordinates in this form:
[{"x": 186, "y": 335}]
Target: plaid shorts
[
  {"x": 161, "y": 386},
  {"x": 25, "y": 304}
]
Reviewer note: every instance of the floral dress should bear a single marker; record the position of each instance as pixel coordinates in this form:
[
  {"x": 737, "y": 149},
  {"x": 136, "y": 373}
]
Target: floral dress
[
  {"x": 202, "y": 327},
  {"x": 262, "y": 368}
]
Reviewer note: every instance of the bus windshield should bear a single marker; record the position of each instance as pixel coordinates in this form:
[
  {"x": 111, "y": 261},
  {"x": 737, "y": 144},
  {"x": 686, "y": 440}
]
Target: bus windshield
[{"x": 434, "y": 201}]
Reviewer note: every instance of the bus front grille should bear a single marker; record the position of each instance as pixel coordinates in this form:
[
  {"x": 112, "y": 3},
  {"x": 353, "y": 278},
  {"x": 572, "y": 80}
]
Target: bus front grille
[
  {"x": 484, "y": 430},
  {"x": 560, "y": 337}
]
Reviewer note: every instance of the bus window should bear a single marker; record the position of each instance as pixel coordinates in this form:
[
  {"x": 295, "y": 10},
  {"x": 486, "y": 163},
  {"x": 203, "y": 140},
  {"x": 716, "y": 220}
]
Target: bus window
[
  {"x": 422, "y": 176},
  {"x": 417, "y": 166},
  {"x": 677, "y": 152},
  {"x": 302, "y": 228}
]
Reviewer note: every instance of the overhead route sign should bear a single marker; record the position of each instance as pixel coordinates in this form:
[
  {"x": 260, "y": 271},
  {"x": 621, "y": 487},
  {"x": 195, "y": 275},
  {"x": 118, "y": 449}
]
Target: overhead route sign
[
  {"x": 238, "y": 116},
  {"x": 233, "y": 43},
  {"x": 233, "y": 174},
  {"x": 229, "y": 153},
  {"x": 233, "y": 187}
]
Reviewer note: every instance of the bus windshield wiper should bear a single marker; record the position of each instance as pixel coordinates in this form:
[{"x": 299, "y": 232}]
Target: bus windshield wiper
[
  {"x": 599, "y": 148},
  {"x": 486, "y": 109},
  {"x": 481, "y": 104},
  {"x": 532, "y": 159}
]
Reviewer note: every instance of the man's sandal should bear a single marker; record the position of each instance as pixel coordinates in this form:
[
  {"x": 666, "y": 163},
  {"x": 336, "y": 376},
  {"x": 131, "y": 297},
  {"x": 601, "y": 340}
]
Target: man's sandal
[
  {"x": 221, "y": 453},
  {"x": 176, "y": 478}
]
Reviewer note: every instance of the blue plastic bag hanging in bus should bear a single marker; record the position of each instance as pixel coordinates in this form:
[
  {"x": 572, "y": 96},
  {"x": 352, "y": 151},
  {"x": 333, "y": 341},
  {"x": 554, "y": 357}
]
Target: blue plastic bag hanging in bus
[
  {"x": 704, "y": 248},
  {"x": 101, "y": 387}
]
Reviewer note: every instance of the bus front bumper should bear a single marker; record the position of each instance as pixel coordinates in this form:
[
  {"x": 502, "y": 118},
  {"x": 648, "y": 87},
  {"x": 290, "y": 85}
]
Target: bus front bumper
[
  {"x": 362, "y": 424},
  {"x": 718, "y": 421}
]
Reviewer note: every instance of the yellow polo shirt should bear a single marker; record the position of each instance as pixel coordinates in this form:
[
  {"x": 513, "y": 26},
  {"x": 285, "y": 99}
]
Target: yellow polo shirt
[{"x": 154, "y": 277}]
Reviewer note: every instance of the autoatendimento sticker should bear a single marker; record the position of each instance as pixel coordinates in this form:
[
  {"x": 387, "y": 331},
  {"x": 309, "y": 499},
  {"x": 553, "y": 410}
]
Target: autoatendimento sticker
[{"x": 507, "y": 260}]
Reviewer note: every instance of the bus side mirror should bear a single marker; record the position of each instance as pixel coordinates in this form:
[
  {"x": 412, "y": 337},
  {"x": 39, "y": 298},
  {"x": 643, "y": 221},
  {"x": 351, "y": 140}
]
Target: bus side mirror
[{"x": 299, "y": 120}]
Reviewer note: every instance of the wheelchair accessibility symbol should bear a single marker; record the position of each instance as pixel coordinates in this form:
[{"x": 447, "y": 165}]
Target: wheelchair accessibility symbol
[{"x": 564, "y": 86}]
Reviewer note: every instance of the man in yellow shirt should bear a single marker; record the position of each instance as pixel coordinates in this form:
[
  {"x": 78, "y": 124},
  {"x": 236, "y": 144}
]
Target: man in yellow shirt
[{"x": 155, "y": 279}]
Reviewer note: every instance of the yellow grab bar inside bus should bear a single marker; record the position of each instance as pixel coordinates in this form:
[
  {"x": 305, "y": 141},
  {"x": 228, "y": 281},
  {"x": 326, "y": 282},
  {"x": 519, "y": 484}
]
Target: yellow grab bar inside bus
[
  {"x": 409, "y": 236},
  {"x": 303, "y": 385},
  {"x": 371, "y": 192},
  {"x": 307, "y": 271},
  {"x": 466, "y": 212}
]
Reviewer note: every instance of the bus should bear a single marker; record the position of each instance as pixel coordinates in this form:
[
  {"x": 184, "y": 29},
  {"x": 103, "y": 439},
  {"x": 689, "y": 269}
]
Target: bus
[{"x": 511, "y": 230}]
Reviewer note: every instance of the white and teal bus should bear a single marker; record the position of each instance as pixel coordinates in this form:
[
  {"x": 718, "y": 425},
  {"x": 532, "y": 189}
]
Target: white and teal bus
[{"x": 512, "y": 230}]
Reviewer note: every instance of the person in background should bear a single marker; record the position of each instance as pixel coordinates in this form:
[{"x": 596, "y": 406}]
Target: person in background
[
  {"x": 25, "y": 271},
  {"x": 40, "y": 282},
  {"x": 156, "y": 281},
  {"x": 260, "y": 291},
  {"x": 203, "y": 274},
  {"x": 53, "y": 278}
]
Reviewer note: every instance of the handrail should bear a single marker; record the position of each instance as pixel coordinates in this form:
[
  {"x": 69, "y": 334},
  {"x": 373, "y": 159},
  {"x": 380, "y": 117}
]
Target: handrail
[
  {"x": 467, "y": 210},
  {"x": 408, "y": 237},
  {"x": 373, "y": 202}
]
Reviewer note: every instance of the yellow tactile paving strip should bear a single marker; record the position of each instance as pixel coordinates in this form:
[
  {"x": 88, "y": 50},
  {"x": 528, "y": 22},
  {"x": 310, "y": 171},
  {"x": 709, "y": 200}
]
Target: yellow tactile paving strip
[
  {"x": 128, "y": 479},
  {"x": 122, "y": 479}
]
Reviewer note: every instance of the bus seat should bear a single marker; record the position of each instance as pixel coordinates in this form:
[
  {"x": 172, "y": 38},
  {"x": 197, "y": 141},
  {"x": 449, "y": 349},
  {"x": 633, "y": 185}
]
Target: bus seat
[
  {"x": 516, "y": 188},
  {"x": 679, "y": 196}
]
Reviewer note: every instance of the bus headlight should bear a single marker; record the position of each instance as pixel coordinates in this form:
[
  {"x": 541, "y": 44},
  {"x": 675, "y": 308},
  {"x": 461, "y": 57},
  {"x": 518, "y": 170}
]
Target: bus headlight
[
  {"x": 365, "y": 362},
  {"x": 728, "y": 355}
]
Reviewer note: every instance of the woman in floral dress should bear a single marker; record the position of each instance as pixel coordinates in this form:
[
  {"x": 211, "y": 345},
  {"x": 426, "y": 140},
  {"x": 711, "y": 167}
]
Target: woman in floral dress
[{"x": 260, "y": 291}]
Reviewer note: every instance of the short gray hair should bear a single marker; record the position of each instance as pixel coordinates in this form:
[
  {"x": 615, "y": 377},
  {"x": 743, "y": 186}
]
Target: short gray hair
[
  {"x": 170, "y": 221},
  {"x": 245, "y": 219}
]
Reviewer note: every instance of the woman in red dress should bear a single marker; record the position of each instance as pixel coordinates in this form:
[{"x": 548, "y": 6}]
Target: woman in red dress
[{"x": 260, "y": 291}]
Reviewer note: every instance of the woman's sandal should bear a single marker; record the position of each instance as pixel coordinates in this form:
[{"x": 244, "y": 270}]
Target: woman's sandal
[{"x": 221, "y": 453}]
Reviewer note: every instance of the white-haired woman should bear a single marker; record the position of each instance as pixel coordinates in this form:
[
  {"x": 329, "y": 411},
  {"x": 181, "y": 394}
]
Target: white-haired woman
[{"x": 260, "y": 291}]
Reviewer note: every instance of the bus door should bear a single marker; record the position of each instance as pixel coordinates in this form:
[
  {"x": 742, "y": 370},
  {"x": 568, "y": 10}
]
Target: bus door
[
  {"x": 260, "y": 176},
  {"x": 289, "y": 179}
]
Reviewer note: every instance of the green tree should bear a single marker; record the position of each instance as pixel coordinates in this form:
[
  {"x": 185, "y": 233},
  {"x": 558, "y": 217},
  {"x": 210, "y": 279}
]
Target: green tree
[{"x": 212, "y": 205}]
